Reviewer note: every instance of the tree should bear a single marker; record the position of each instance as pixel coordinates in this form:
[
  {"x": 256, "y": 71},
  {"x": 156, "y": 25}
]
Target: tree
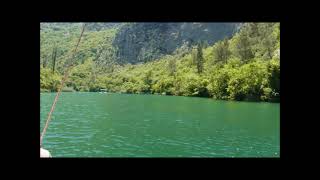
[
  {"x": 198, "y": 58},
  {"x": 268, "y": 45},
  {"x": 45, "y": 62},
  {"x": 249, "y": 82},
  {"x": 221, "y": 51},
  {"x": 276, "y": 33},
  {"x": 54, "y": 56},
  {"x": 274, "y": 78},
  {"x": 219, "y": 83},
  {"x": 262, "y": 38},
  {"x": 148, "y": 80},
  {"x": 172, "y": 66},
  {"x": 48, "y": 80},
  {"x": 243, "y": 46},
  {"x": 253, "y": 29}
]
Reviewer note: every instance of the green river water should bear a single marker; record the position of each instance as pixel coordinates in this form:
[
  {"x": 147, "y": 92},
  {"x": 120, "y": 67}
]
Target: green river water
[{"x": 123, "y": 125}]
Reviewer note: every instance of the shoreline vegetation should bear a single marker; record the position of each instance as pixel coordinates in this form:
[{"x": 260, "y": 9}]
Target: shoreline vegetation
[
  {"x": 158, "y": 94},
  {"x": 244, "y": 67}
]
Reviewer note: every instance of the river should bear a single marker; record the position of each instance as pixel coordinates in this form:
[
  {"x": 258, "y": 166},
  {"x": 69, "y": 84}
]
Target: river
[{"x": 87, "y": 124}]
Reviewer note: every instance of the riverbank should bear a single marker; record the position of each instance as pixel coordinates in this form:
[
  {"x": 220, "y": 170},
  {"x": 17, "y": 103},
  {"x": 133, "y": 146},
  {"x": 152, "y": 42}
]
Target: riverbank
[{"x": 274, "y": 100}]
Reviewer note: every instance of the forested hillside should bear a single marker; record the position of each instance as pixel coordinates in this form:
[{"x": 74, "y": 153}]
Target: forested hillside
[{"x": 189, "y": 59}]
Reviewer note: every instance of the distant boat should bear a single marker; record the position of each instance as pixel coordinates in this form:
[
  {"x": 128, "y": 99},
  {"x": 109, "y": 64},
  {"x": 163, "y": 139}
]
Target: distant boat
[{"x": 103, "y": 91}]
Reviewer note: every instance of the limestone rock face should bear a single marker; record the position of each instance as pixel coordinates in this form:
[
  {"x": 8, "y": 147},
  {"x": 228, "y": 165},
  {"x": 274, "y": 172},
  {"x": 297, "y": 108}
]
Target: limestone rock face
[{"x": 142, "y": 42}]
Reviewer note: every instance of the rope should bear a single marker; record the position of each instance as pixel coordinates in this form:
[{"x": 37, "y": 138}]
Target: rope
[{"x": 69, "y": 66}]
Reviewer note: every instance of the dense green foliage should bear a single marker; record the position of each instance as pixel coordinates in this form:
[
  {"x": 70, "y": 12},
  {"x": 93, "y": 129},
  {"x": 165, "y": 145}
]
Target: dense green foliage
[{"x": 244, "y": 67}]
